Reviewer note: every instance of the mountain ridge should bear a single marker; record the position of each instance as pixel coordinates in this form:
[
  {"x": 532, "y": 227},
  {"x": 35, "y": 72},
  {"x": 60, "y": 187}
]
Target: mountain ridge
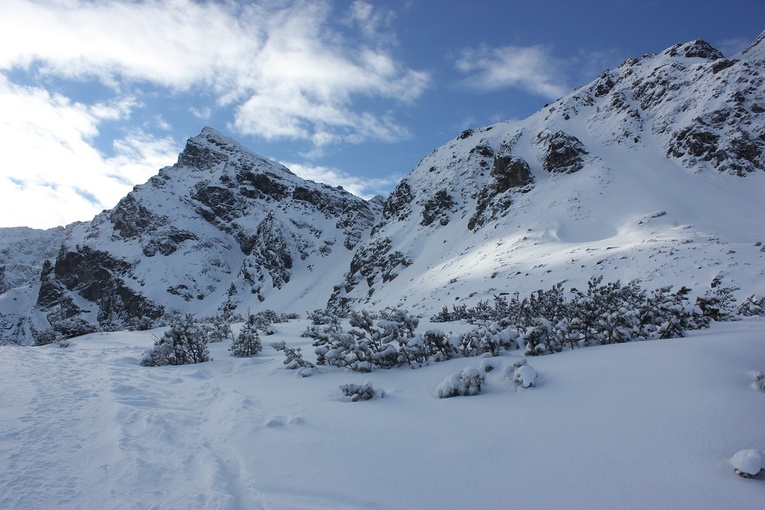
[{"x": 652, "y": 171}]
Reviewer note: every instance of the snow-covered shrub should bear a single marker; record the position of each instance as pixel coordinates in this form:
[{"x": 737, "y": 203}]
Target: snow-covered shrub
[
  {"x": 465, "y": 383},
  {"x": 752, "y": 305},
  {"x": 247, "y": 343},
  {"x": 488, "y": 338},
  {"x": 665, "y": 314},
  {"x": 293, "y": 359},
  {"x": 523, "y": 374},
  {"x": 183, "y": 343},
  {"x": 357, "y": 392},
  {"x": 378, "y": 341},
  {"x": 436, "y": 345},
  {"x": 542, "y": 337},
  {"x": 319, "y": 317},
  {"x": 220, "y": 329},
  {"x": 748, "y": 463},
  {"x": 718, "y": 303}
]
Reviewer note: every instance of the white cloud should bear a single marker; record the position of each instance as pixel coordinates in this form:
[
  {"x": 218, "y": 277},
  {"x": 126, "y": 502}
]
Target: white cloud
[
  {"x": 284, "y": 67},
  {"x": 531, "y": 68},
  {"x": 359, "y": 186},
  {"x": 286, "y": 70},
  {"x": 51, "y": 174}
]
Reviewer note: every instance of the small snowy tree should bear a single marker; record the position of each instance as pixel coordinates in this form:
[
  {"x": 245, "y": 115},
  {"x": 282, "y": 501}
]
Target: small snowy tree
[
  {"x": 293, "y": 359},
  {"x": 183, "y": 343},
  {"x": 752, "y": 305},
  {"x": 247, "y": 343},
  {"x": 718, "y": 303},
  {"x": 466, "y": 383},
  {"x": 220, "y": 329}
]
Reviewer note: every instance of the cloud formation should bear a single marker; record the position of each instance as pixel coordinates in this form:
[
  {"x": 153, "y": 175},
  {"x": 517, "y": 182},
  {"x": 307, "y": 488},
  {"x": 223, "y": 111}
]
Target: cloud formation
[
  {"x": 361, "y": 187},
  {"x": 531, "y": 68},
  {"x": 287, "y": 69},
  {"x": 51, "y": 173}
]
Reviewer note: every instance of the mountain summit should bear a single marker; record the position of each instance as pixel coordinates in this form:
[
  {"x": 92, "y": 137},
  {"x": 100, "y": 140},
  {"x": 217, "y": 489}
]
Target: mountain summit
[{"x": 653, "y": 171}]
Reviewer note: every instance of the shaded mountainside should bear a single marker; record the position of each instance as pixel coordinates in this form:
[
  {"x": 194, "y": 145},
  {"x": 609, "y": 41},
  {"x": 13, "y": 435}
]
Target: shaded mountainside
[{"x": 655, "y": 171}]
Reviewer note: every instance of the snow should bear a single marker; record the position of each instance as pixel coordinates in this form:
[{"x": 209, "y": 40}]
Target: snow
[{"x": 647, "y": 424}]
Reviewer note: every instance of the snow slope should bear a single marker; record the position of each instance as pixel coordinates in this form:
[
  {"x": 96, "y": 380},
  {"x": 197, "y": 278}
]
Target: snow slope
[
  {"x": 652, "y": 171},
  {"x": 640, "y": 425}
]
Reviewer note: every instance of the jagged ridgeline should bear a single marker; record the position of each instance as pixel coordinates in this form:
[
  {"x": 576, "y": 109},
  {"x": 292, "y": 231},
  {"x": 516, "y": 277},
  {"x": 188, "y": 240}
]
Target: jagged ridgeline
[{"x": 652, "y": 172}]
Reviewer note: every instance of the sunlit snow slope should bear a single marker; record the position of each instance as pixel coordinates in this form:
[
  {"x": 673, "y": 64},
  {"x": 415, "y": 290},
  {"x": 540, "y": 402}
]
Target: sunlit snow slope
[{"x": 654, "y": 171}]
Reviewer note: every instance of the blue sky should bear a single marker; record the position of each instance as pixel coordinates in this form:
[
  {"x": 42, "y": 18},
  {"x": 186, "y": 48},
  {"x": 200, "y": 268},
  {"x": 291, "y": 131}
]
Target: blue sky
[{"x": 96, "y": 96}]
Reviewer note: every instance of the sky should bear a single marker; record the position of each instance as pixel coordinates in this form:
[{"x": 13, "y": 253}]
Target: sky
[{"x": 97, "y": 96}]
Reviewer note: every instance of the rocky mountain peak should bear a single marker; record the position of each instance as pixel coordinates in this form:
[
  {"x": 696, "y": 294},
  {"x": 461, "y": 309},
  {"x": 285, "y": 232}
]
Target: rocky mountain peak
[
  {"x": 210, "y": 148},
  {"x": 223, "y": 228},
  {"x": 694, "y": 49}
]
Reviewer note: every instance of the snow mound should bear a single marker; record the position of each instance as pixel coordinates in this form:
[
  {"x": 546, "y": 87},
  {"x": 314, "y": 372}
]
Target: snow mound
[{"x": 748, "y": 463}]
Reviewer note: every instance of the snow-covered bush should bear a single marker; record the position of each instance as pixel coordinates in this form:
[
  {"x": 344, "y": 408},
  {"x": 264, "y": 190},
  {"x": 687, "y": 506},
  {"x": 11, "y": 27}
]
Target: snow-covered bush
[
  {"x": 320, "y": 316},
  {"x": 523, "y": 374},
  {"x": 488, "y": 338},
  {"x": 247, "y": 343},
  {"x": 378, "y": 342},
  {"x": 748, "y": 463},
  {"x": 551, "y": 320},
  {"x": 220, "y": 329},
  {"x": 293, "y": 359},
  {"x": 718, "y": 303},
  {"x": 436, "y": 345},
  {"x": 183, "y": 343},
  {"x": 357, "y": 392},
  {"x": 752, "y": 305},
  {"x": 465, "y": 383}
]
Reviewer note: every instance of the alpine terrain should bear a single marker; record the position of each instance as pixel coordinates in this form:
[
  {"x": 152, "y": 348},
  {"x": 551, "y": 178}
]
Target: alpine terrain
[
  {"x": 653, "y": 171},
  {"x": 192, "y": 345}
]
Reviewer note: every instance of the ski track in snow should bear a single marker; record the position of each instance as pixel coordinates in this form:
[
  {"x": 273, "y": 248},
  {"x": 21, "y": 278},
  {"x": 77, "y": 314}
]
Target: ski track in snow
[{"x": 128, "y": 429}]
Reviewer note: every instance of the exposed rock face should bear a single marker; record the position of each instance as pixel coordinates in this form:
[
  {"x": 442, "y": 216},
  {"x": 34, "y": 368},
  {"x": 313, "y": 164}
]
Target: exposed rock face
[{"x": 507, "y": 174}]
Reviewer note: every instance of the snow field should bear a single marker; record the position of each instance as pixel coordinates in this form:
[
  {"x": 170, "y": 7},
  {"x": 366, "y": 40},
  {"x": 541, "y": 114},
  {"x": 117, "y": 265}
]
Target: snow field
[{"x": 649, "y": 424}]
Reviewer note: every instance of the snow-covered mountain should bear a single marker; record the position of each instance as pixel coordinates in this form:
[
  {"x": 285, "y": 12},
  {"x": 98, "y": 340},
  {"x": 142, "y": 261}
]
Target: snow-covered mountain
[
  {"x": 652, "y": 171},
  {"x": 655, "y": 170},
  {"x": 222, "y": 228}
]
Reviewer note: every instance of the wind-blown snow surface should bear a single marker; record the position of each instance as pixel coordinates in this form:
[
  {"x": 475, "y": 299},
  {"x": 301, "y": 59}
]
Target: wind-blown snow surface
[{"x": 640, "y": 425}]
